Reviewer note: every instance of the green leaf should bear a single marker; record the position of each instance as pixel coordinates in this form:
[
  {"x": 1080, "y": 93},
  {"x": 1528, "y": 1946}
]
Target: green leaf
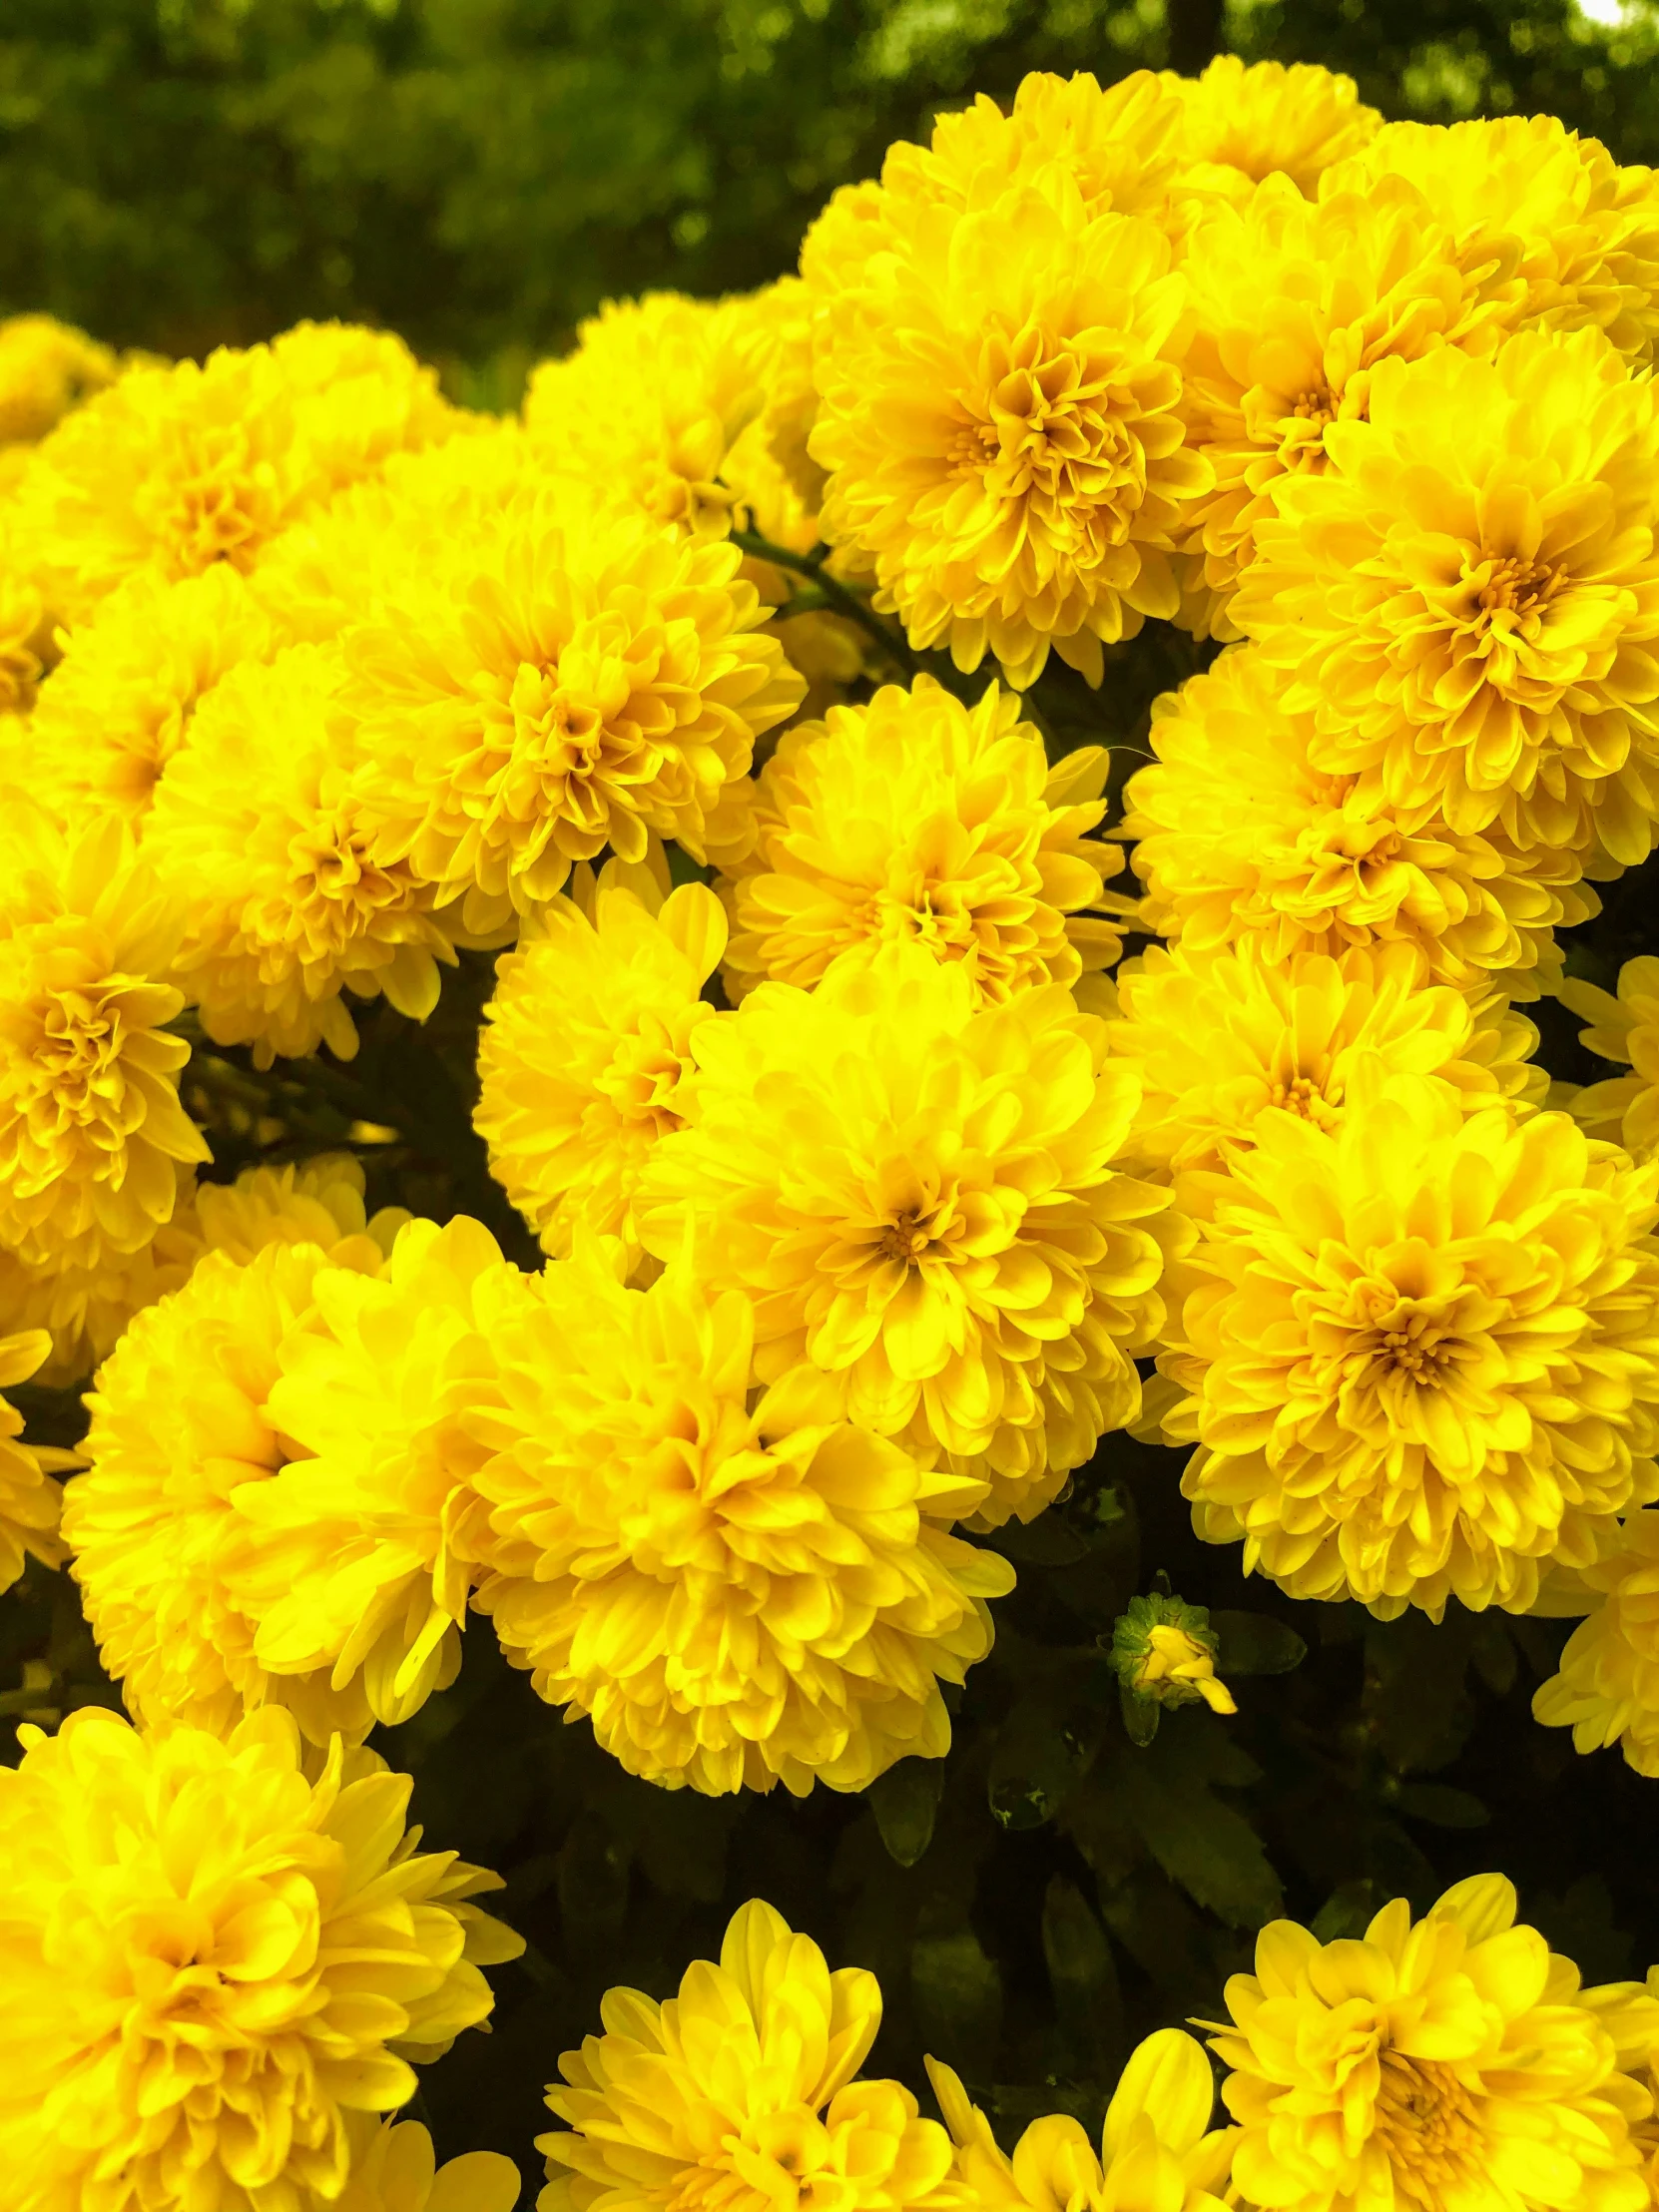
[
  {"x": 1210, "y": 1849},
  {"x": 958, "y": 1999},
  {"x": 905, "y": 1803},
  {"x": 1042, "y": 1751},
  {"x": 1140, "y": 1716},
  {"x": 1442, "y": 1807},
  {"x": 1348, "y": 1912},
  {"x": 1256, "y": 1643},
  {"x": 1083, "y": 1976}
]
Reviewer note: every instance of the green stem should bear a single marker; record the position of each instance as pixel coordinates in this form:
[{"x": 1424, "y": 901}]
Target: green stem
[{"x": 836, "y": 594}]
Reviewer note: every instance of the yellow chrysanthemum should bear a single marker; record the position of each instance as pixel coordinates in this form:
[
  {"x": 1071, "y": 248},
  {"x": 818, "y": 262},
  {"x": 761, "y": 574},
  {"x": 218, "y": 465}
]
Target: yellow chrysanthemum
[
  {"x": 1420, "y": 1357},
  {"x": 85, "y": 1305},
  {"x": 356, "y": 1568},
  {"x": 317, "y": 1201},
  {"x": 330, "y": 569},
  {"x": 915, "y": 816},
  {"x": 261, "y": 831},
  {"x": 175, "y": 468},
  {"x": 1223, "y": 1038},
  {"x": 737, "y": 1594},
  {"x": 394, "y": 2169},
  {"x": 942, "y": 1233},
  {"x": 1257, "y": 119},
  {"x": 91, "y": 1132},
  {"x": 46, "y": 367},
  {"x": 1466, "y": 597},
  {"x": 587, "y": 1042},
  {"x": 1624, "y": 1108},
  {"x": 212, "y": 1964},
  {"x": 1451, "y": 2061},
  {"x": 739, "y": 2093},
  {"x": 1243, "y": 839},
  {"x": 557, "y": 684},
  {"x": 1294, "y": 306},
  {"x": 1607, "y": 1687},
  {"x": 31, "y": 1503},
  {"x": 1585, "y": 230},
  {"x": 121, "y": 702},
  {"x": 1000, "y": 422},
  {"x": 158, "y": 1525},
  {"x": 1157, "y": 2153},
  {"x": 648, "y": 407}
]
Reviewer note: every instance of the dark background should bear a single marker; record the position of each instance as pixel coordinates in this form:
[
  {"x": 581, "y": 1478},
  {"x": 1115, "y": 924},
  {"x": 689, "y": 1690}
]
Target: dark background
[{"x": 479, "y": 173}]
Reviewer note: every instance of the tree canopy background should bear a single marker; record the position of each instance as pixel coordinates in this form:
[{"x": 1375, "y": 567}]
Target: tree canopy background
[{"x": 479, "y": 173}]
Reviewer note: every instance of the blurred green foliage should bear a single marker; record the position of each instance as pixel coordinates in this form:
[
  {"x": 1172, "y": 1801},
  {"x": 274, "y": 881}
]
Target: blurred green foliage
[{"x": 479, "y": 173}]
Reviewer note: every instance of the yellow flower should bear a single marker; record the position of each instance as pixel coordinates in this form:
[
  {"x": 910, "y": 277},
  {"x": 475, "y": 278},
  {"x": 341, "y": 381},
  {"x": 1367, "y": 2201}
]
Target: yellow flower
[
  {"x": 915, "y": 816},
  {"x": 739, "y": 2093},
  {"x": 1624, "y": 1108},
  {"x": 1607, "y": 1687},
  {"x": 212, "y": 1964},
  {"x": 355, "y": 1567},
  {"x": 1000, "y": 390},
  {"x": 1418, "y": 1356},
  {"x": 1466, "y": 597},
  {"x": 1243, "y": 837},
  {"x": 158, "y": 1524},
  {"x": 393, "y": 2170},
  {"x": 1164, "y": 1650},
  {"x": 587, "y": 1044},
  {"x": 1156, "y": 2154},
  {"x": 1294, "y": 306},
  {"x": 263, "y": 835},
  {"x": 1455, "y": 2060},
  {"x": 1260, "y": 119},
  {"x": 317, "y": 1201},
  {"x": 121, "y": 701},
  {"x": 91, "y": 1129},
  {"x": 84, "y": 1304},
  {"x": 556, "y": 683},
  {"x": 31, "y": 1503},
  {"x": 26, "y": 647},
  {"x": 942, "y": 1232},
  {"x": 1222, "y": 1039},
  {"x": 736, "y": 1594},
  {"x": 46, "y": 367},
  {"x": 648, "y": 406},
  {"x": 1586, "y": 231},
  {"x": 175, "y": 468}
]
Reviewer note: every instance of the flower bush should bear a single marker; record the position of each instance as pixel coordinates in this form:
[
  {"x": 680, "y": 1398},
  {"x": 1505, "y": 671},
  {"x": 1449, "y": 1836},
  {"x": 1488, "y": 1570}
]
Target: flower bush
[{"x": 693, "y": 1085}]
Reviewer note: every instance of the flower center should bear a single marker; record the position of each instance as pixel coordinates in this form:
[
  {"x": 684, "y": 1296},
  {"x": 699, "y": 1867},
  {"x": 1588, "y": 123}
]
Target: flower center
[
  {"x": 644, "y": 1076},
  {"x": 1428, "y": 2127},
  {"x": 904, "y": 1238},
  {"x": 1303, "y": 1096},
  {"x": 1315, "y": 406},
  {"x": 1517, "y": 586}
]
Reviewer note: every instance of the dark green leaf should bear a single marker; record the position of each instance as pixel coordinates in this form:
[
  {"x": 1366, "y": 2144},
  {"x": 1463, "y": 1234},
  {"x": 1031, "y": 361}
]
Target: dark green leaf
[
  {"x": 957, "y": 1992},
  {"x": 1442, "y": 1807},
  {"x": 905, "y": 1803},
  {"x": 1256, "y": 1643}
]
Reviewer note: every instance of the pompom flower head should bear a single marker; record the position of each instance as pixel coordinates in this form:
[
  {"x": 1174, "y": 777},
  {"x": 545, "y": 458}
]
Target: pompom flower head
[
  {"x": 123, "y": 698},
  {"x": 31, "y": 1503},
  {"x": 738, "y": 1593},
  {"x": 1453, "y": 2060},
  {"x": 1223, "y": 1038},
  {"x": 261, "y": 833},
  {"x": 357, "y": 1564},
  {"x": 46, "y": 367},
  {"x": 1294, "y": 306},
  {"x": 915, "y": 816},
  {"x": 1466, "y": 598},
  {"x": 1254, "y": 120},
  {"x": 177, "y": 467},
  {"x": 1624, "y": 1027},
  {"x": 944, "y": 1233},
  {"x": 1606, "y": 1689},
  {"x": 1165, "y": 1652},
  {"x": 1242, "y": 835},
  {"x": 1157, "y": 2152},
  {"x": 213, "y": 1965},
  {"x": 587, "y": 1043},
  {"x": 1584, "y": 230},
  {"x": 317, "y": 1201},
  {"x": 181, "y": 1432},
  {"x": 1000, "y": 389},
  {"x": 92, "y": 1133},
  {"x": 650, "y": 402},
  {"x": 739, "y": 2093},
  {"x": 1418, "y": 1356},
  {"x": 559, "y": 682}
]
